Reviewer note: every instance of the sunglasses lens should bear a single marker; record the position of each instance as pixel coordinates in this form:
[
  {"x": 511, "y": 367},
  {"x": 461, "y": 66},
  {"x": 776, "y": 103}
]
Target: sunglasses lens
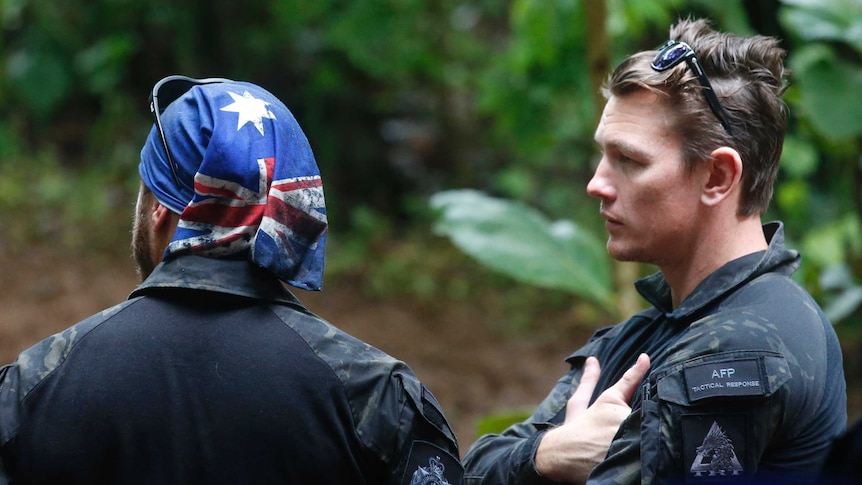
[
  {"x": 171, "y": 91},
  {"x": 163, "y": 94},
  {"x": 670, "y": 56}
]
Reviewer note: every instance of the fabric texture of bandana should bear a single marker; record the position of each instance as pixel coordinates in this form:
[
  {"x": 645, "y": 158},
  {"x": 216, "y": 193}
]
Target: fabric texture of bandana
[{"x": 250, "y": 187}]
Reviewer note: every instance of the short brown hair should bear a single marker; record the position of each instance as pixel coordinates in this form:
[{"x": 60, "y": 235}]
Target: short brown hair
[{"x": 748, "y": 76}]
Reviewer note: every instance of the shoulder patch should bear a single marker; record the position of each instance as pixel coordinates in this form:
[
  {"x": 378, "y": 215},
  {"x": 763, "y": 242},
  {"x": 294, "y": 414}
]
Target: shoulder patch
[
  {"x": 729, "y": 378},
  {"x": 431, "y": 465},
  {"x": 715, "y": 447}
]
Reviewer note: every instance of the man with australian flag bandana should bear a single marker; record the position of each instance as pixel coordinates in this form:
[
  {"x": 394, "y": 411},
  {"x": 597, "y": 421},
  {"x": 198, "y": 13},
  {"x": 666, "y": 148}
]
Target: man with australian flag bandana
[{"x": 212, "y": 371}]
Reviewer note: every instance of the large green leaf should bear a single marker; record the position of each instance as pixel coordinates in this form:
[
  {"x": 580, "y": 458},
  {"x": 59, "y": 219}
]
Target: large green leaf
[
  {"x": 846, "y": 295},
  {"x": 826, "y": 20},
  {"x": 518, "y": 241},
  {"x": 829, "y": 91}
]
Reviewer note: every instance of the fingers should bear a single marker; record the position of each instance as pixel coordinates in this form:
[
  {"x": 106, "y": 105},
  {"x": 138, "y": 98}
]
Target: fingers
[
  {"x": 567, "y": 453},
  {"x": 580, "y": 400},
  {"x": 625, "y": 388}
]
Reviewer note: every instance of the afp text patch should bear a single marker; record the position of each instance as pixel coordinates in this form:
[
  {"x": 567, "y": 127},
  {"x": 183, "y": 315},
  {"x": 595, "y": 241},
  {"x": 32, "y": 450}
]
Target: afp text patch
[{"x": 743, "y": 377}]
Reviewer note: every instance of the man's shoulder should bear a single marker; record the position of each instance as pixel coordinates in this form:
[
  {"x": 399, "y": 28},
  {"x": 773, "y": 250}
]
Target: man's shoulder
[
  {"x": 41, "y": 359},
  {"x": 332, "y": 344},
  {"x": 780, "y": 286},
  {"x": 778, "y": 300},
  {"x": 771, "y": 318},
  {"x": 363, "y": 369},
  {"x": 37, "y": 363},
  {"x": 383, "y": 392}
]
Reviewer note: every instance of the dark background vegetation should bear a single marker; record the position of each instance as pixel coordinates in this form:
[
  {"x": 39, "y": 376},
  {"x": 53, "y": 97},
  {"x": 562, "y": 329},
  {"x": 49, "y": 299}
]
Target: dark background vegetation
[{"x": 401, "y": 100}]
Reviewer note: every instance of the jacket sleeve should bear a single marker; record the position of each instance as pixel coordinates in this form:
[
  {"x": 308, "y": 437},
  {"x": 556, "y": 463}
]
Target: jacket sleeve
[
  {"x": 8, "y": 418},
  {"x": 509, "y": 457},
  {"x": 429, "y": 450}
]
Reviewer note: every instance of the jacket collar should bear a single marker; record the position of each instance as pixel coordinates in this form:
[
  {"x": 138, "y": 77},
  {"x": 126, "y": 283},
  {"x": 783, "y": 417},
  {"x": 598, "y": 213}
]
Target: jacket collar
[
  {"x": 233, "y": 277},
  {"x": 777, "y": 258}
]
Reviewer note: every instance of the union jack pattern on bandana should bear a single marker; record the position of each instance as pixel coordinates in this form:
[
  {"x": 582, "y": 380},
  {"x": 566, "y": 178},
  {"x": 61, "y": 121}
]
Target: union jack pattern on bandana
[{"x": 257, "y": 190}]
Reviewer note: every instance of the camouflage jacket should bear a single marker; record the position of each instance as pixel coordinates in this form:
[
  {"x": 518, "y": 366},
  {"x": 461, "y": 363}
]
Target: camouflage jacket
[
  {"x": 213, "y": 372},
  {"x": 746, "y": 380}
]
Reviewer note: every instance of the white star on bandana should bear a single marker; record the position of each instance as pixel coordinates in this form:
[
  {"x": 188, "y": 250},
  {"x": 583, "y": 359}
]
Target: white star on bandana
[{"x": 250, "y": 109}]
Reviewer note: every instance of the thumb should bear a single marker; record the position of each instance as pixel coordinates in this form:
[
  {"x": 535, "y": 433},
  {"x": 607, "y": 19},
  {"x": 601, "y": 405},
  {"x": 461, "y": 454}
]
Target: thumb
[{"x": 625, "y": 388}]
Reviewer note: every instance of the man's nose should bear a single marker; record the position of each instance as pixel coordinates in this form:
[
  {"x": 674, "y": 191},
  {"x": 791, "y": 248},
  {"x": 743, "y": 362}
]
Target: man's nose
[{"x": 599, "y": 186}]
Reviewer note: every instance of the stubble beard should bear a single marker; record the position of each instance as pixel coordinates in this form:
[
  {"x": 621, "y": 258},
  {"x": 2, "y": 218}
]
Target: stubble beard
[
  {"x": 141, "y": 247},
  {"x": 627, "y": 253},
  {"x": 618, "y": 250}
]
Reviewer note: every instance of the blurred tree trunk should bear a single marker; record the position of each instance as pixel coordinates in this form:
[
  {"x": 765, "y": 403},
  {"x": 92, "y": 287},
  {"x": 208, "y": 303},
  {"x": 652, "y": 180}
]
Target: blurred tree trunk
[
  {"x": 598, "y": 52},
  {"x": 599, "y": 59}
]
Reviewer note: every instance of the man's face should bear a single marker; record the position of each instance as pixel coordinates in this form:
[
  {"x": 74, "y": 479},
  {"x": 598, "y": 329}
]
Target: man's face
[
  {"x": 142, "y": 247},
  {"x": 649, "y": 199}
]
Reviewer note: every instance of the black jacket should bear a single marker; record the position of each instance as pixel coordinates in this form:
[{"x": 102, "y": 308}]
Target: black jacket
[{"x": 746, "y": 381}]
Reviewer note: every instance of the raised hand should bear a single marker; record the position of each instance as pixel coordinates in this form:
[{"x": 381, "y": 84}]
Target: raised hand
[{"x": 569, "y": 452}]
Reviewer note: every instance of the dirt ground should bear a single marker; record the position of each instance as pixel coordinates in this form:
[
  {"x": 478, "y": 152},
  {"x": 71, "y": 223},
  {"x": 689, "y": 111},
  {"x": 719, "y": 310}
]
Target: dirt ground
[{"x": 471, "y": 368}]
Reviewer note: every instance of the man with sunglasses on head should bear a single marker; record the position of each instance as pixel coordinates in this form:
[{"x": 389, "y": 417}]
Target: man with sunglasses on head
[
  {"x": 213, "y": 372},
  {"x": 743, "y": 379}
]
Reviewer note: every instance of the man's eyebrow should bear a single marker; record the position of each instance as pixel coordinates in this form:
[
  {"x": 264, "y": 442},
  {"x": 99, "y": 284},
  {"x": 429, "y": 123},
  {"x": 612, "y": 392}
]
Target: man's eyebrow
[{"x": 622, "y": 146}]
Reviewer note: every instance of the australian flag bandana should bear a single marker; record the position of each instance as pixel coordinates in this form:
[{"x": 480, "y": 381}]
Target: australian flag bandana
[{"x": 250, "y": 187}]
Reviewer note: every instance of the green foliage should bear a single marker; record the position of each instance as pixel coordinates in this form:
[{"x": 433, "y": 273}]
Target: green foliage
[
  {"x": 41, "y": 78},
  {"x": 828, "y": 91},
  {"x": 845, "y": 292},
  {"x": 539, "y": 98},
  {"x": 635, "y": 19},
  {"x": 830, "y": 252},
  {"x": 518, "y": 241},
  {"x": 821, "y": 178},
  {"x": 496, "y": 423},
  {"x": 78, "y": 211},
  {"x": 404, "y": 98},
  {"x": 103, "y": 63},
  {"x": 391, "y": 50},
  {"x": 825, "y": 20}
]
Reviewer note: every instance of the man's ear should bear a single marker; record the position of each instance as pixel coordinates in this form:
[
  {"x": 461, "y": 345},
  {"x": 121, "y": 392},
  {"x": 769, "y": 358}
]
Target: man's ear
[
  {"x": 164, "y": 224},
  {"x": 161, "y": 216},
  {"x": 724, "y": 176}
]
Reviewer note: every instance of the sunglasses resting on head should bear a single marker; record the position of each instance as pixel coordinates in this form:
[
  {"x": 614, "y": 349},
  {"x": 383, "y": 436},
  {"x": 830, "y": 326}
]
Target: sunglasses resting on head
[{"x": 672, "y": 53}]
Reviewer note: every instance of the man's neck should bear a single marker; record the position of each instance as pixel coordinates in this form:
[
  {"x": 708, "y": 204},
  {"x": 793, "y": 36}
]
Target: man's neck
[{"x": 720, "y": 246}]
